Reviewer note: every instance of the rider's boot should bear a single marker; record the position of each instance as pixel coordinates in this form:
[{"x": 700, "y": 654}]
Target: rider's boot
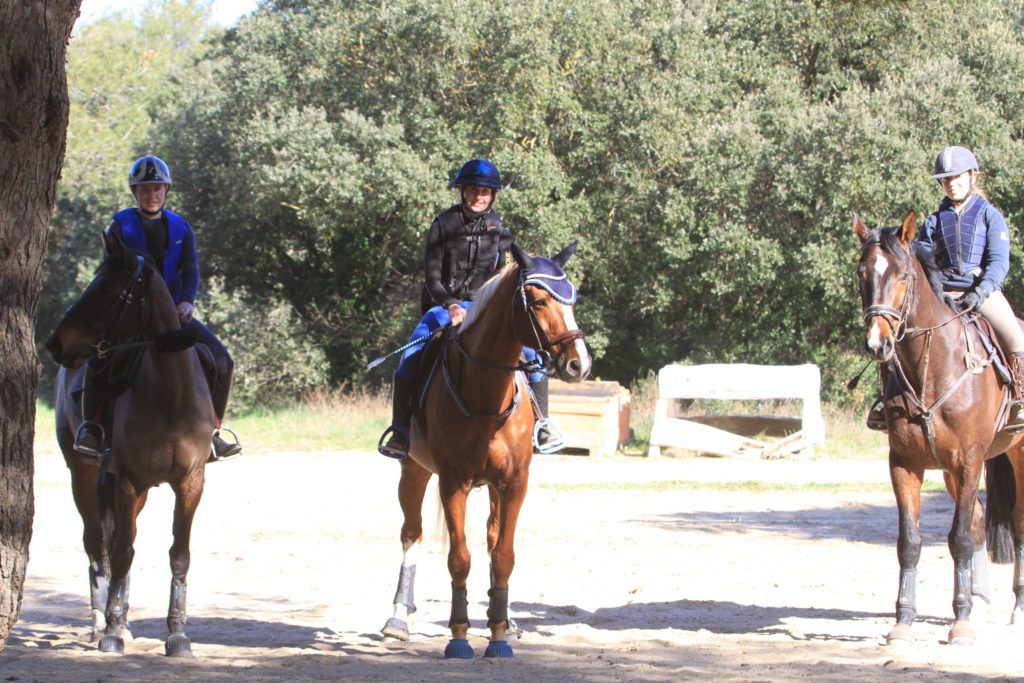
[
  {"x": 397, "y": 444},
  {"x": 546, "y": 436},
  {"x": 1015, "y": 423},
  {"x": 89, "y": 435},
  {"x": 223, "y": 449}
]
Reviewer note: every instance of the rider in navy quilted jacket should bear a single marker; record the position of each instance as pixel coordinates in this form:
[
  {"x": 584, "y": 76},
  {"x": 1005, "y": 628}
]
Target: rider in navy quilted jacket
[{"x": 170, "y": 241}]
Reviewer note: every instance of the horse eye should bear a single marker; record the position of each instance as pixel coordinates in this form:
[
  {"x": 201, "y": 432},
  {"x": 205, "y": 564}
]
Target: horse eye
[
  {"x": 539, "y": 303},
  {"x": 903, "y": 276}
]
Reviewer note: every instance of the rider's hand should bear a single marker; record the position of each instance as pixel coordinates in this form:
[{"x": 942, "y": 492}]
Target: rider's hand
[
  {"x": 185, "y": 310},
  {"x": 974, "y": 298},
  {"x": 457, "y": 314}
]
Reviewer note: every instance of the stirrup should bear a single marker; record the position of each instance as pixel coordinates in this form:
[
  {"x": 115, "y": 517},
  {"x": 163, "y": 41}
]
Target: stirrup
[
  {"x": 555, "y": 441},
  {"x": 85, "y": 429},
  {"x": 231, "y": 449},
  {"x": 876, "y": 418},
  {"x": 1015, "y": 423},
  {"x": 384, "y": 446}
]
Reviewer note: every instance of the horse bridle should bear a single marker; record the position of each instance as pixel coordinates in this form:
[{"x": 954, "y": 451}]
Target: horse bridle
[
  {"x": 544, "y": 342},
  {"x": 124, "y": 299},
  {"x": 896, "y": 317}
]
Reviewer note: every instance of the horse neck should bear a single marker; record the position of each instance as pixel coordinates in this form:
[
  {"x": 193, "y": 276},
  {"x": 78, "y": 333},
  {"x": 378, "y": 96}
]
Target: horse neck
[
  {"x": 175, "y": 368},
  {"x": 933, "y": 338},
  {"x": 491, "y": 339}
]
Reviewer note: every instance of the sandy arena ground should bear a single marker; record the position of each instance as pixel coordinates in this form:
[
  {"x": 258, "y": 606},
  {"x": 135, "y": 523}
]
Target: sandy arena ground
[{"x": 295, "y": 558}]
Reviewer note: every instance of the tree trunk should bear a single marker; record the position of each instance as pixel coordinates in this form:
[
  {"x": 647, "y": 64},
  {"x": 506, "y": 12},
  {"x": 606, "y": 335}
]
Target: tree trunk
[{"x": 33, "y": 123}]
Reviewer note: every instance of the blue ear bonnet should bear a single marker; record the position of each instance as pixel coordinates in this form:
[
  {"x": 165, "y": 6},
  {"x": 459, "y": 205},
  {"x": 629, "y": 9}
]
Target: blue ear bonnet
[{"x": 549, "y": 275}]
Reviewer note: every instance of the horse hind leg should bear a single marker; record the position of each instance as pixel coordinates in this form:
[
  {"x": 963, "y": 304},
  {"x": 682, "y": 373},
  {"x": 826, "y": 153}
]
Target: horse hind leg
[{"x": 411, "y": 489}]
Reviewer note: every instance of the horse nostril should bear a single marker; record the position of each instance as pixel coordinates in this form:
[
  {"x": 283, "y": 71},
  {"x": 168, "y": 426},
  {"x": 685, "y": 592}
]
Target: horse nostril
[
  {"x": 53, "y": 346},
  {"x": 574, "y": 366}
]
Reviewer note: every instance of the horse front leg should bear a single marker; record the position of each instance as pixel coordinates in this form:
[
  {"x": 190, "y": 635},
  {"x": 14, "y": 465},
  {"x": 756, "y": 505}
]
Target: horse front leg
[
  {"x": 906, "y": 484},
  {"x": 503, "y": 560},
  {"x": 453, "y": 498},
  {"x": 412, "y": 486},
  {"x": 187, "y": 496},
  {"x": 493, "y": 518},
  {"x": 85, "y": 493},
  {"x": 128, "y": 502},
  {"x": 961, "y": 547}
]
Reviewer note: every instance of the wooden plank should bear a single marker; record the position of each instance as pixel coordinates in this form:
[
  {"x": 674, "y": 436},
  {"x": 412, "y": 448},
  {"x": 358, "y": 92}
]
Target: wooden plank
[{"x": 704, "y": 439}]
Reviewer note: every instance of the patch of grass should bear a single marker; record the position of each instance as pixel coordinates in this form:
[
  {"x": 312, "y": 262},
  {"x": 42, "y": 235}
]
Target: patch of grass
[
  {"x": 745, "y": 486},
  {"x": 322, "y": 421}
]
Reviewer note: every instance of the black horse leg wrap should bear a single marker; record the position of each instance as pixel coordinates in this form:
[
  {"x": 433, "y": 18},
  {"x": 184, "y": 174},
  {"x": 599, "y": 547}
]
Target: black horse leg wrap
[
  {"x": 404, "y": 594},
  {"x": 497, "y": 610},
  {"x": 460, "y": 606}
]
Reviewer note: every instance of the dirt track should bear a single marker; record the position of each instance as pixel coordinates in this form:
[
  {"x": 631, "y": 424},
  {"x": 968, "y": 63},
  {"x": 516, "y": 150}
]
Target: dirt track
[{"x": 295, "y": 557}]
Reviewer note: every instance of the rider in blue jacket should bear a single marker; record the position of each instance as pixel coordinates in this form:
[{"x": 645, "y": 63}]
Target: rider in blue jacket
[
  {"x": 971, "y": 244},
  {"x": 466, "y": 244},
  {"x": 169, "y": 240}
]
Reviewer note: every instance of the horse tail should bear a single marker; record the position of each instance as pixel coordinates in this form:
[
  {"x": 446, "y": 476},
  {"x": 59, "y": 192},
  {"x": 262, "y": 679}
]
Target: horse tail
[
  {"x": 106, "y": 487},
  {"x": 1000, "y": 497}
]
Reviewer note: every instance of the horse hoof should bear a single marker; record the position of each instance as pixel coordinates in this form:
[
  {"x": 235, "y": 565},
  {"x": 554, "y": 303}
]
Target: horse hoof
[
  {"x": 498, "y": 648},
  {"x": 396, "y": 628},
  {"x": 962, "y": 634},
  {"x": 178, "y": 645},
  {"x": 458, "y": 649},
  {"x": 901, "y": 634},
  {"x": 113, "y": 644}
]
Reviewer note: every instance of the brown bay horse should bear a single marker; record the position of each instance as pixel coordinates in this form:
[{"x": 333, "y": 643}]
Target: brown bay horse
[
  {"x": 476, "y": 428},
  {"x": 160, "y": 427},
  {"x": 942, "y": 409}
]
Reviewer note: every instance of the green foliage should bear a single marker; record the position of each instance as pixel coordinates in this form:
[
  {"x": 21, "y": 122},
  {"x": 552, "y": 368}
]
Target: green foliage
[{"x": 708, "y": 156}]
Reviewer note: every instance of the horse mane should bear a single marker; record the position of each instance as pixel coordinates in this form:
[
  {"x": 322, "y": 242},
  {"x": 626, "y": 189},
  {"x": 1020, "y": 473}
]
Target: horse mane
[
  {"x": 486, "y": 293},
  {"x": 890, "y": 241}
]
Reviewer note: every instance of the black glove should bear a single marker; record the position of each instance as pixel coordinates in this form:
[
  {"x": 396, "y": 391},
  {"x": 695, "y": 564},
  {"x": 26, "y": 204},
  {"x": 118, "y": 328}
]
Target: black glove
[{"x": 974, "y": 298}]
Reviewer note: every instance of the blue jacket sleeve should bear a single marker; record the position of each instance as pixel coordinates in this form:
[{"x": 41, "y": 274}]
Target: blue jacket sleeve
[
  {"x": 996, "y": 261},
  {"x": 188, "y": 266},
  {"x": 924, "y": 233}
]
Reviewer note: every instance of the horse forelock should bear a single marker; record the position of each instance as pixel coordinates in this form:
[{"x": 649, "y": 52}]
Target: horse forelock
[
  {"x": 487, "y": 292},
  {"x": 889, "y": 239}
]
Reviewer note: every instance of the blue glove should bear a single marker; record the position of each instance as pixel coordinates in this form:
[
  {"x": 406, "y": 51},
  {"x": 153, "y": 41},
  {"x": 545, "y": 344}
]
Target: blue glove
[{"x": 974, "y": 298}]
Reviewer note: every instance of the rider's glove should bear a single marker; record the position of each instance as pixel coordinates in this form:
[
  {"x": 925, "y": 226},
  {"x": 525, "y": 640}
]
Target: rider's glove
[{"x": 974, "y": 298}]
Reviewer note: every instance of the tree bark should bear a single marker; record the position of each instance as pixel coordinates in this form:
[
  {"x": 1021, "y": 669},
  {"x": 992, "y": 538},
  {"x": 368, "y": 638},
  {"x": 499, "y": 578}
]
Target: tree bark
[{"x": 33, "y": 124}]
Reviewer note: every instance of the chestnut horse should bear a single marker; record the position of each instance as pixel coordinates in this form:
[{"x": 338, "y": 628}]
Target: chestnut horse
[
  {"x": 943, "y": 408},
  {"x": 161, "y": 428},
  {"x": 476, "y": 428}
]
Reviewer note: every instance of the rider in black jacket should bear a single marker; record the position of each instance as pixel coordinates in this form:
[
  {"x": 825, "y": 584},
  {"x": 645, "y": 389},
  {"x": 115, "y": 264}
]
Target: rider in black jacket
[{"x": 466, "y": 244}]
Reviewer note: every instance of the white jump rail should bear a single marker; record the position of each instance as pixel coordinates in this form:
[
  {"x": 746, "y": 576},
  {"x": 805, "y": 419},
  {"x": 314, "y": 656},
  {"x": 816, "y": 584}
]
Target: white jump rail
[{"x": 736, "y": 382}]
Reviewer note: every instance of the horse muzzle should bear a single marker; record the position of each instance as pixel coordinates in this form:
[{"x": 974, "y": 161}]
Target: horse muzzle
[
  {"x": 63, "y": 356},
  {"x": 574, "y": 363}
]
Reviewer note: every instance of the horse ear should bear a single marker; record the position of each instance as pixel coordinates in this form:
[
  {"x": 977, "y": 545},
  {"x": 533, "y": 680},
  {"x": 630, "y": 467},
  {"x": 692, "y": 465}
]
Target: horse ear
[
  {"x": 862, "y": 231},
  {"x": 909, "y": 229},
  {"x": 561, "y": 257},
  {"x": 524, "y": 260}
]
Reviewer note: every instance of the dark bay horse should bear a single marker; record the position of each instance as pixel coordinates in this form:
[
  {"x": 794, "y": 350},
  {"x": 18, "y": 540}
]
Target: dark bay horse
[
  {"x": 161, "y": 427},
  {"x": 943, "y": 412},
  {"x": 476, "y": 429}
]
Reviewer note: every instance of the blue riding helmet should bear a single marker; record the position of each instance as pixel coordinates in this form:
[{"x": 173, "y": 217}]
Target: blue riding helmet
[
  {"x": 149, "y": 170},
  {"x": 953, "y": 161},
  {"x": 478, "y": 172}
]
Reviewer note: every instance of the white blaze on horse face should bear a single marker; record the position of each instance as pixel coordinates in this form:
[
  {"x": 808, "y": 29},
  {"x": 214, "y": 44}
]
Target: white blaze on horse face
[
  {"x": 581, "y": 348},
  {"x": 881, "y": 263},
  {"x": 874, "y": 341}
]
